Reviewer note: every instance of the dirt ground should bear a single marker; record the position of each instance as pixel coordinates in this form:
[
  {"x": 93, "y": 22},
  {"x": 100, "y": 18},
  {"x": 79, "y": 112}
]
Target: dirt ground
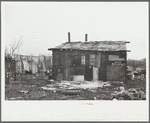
[{"x": 31, "y": 89}]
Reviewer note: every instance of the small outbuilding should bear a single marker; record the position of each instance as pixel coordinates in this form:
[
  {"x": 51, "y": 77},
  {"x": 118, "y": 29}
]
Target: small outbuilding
[{"x": 90, "y": 60}]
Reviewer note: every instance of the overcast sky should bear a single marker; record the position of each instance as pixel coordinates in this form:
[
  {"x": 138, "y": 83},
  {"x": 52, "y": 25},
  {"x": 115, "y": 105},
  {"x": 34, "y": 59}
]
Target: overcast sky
[{"x": 44, "y": 25}]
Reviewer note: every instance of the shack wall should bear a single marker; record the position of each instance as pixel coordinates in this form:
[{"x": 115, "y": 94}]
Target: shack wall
[
  {"x": 68, "y": 63},
  {"x": 113, "y": 66},
  {"x": 77, "y": 62}
]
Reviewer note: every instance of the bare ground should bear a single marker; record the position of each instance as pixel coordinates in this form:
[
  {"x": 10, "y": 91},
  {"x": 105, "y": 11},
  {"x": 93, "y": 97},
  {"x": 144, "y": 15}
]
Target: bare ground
[{"x": 30, "y": 89}]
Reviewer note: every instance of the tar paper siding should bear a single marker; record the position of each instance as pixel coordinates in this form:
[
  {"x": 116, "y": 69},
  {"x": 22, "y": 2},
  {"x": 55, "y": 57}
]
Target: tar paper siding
[
  {"x": 77, "y": 62},
  {"x": 113, "y": 66}
]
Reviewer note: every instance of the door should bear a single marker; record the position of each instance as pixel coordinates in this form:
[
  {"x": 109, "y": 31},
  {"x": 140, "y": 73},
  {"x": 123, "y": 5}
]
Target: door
[
  {"x": 66, "y": 73},
  {"x": 88, "y": 73},
  {"x": 95, "y": 73}
]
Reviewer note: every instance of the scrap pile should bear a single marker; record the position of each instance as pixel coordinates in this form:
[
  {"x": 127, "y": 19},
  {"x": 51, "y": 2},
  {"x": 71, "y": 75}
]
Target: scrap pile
[{"x": 130, "y": 94}]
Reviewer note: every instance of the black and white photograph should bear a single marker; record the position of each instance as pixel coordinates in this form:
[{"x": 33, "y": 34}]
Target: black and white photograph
[{"x": 76, "y": 52}]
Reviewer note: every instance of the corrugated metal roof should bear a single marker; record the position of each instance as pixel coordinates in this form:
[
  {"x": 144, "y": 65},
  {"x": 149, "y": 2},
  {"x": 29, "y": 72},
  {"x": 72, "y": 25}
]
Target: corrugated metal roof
[{"x": 95, "y": 45}]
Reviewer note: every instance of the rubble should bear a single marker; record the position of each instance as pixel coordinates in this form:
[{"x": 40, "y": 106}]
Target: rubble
[
  {"x": 80, "y": 85},
  {"x": 16, "y": 98},
  {"x": 117, "y": 83},
  {"x": 71, "y": 92},
  {"x": 131, "y": 94},
  {"x": 22, "y": 91},
  {"x": 35, "y": 95}
]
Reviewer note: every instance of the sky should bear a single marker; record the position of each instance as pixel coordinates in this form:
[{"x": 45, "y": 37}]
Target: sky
[{"x": 44, "y": 25}]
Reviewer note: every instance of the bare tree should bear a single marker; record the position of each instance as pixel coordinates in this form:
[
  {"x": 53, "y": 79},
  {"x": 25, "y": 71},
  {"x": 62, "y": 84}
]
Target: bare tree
[{"x": 11, "y": 56}]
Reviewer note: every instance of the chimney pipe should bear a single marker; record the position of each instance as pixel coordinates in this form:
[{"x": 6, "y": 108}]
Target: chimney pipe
[
  {"x": 69, "y": 37},
  {"x": 85, "y": 37}
]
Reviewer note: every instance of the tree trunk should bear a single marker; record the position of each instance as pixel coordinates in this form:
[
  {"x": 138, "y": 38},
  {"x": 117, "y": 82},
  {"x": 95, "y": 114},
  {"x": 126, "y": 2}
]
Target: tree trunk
[
  {"x": 6, "y": 77},
  {"x": 10, "y": 72}
]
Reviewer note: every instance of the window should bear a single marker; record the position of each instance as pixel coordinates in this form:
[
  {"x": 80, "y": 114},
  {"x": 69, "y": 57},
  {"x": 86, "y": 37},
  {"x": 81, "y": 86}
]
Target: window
[
  {"x": 76, "y": 60},
  {"x": 92, "y": 59},
  {"x": 82, "y": 60}
]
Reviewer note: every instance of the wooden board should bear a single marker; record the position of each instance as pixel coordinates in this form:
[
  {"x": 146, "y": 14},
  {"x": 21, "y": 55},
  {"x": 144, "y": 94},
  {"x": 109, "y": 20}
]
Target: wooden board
[
  {"x": 95, "y": 73},
  {"x": 56, "y": 52},
  {"x": 116, "y": 73},
  {"x": 60, "y": 76},
  {"x": 98, "y": 59},
  {"x": 104, "y": 59},
  {"x": 56, "y": 56},
  {"x": 78, "y": 52},
  {"x": 76, "y": 60},
  {"x": 87, "y": 60},
  {"x": 92, "y": 59},
  {"x": 115, "y": 58},
  {"x": 103, "y": 74},
  {"x": 66, "y": 73},
  {"x": 65, "y": 61},
  {"x": 56, "y": 61},
  {"x": 65, "y": 52},
  {"x": 55, "y": 71},
  {"x": 78, "y": 70},
  {"x": 82, "y": 60}
]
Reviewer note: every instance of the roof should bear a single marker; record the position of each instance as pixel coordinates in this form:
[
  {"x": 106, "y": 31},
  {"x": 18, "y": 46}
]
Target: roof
[{"x": 94, "y": 45}]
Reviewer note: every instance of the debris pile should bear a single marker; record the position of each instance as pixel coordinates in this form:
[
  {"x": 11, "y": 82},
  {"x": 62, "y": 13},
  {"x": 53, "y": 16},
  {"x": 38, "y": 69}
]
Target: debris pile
[{"x": 131, "y": 94}]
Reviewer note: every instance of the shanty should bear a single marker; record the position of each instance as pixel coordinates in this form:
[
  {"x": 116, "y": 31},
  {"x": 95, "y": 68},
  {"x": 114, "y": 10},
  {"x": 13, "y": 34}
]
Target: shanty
[{"x": 90, "y": 60}]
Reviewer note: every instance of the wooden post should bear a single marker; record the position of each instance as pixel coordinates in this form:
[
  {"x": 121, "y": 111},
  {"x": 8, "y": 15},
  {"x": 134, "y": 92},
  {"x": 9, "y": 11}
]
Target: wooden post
[{"x": 125, "y": 67}]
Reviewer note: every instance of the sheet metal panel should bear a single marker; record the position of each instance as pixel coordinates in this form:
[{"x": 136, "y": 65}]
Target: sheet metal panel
[
  {"x": 116, "y": 73},
  {"x": 115, "y": 58},
  {"x": 103, "y": 74}
]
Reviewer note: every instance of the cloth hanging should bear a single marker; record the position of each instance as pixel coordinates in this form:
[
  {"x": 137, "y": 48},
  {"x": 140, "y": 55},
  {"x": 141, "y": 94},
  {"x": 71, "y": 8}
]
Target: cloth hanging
[
  {"x": 40, "y": 66},
  {"x": 34, "y": 68},
  {"x": 47, "y": 58},
  {"x": 18, "y": 67},
  {"x": 30, "y": 66},
  {"x": 44, "y": 68},
  {"x": 48, "y": 65},
  {"x": 41, "y": 58},
  {"x": 24, "y": 58},
  {"x": 26, "y": 65},
  {"x": 48, "y": 62},
  {"x": 29, "y": 58},
  {"x": 35, "y": 59}
]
